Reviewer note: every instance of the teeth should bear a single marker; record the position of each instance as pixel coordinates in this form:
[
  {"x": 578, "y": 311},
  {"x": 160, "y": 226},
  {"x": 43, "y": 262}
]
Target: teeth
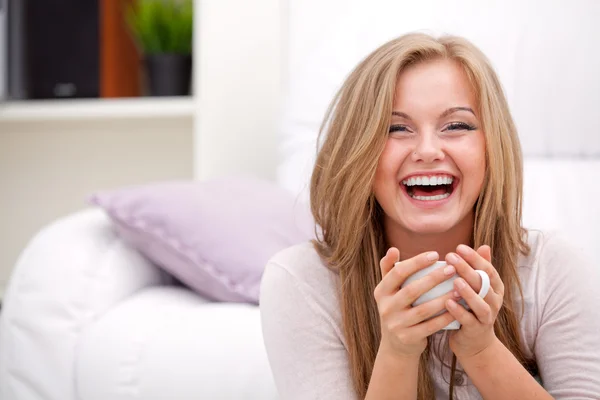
[
  {"x": 432, "y": 198},
  {"x": 428, "y": 180}
]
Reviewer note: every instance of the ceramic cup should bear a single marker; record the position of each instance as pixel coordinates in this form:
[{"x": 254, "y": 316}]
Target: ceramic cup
[{"x": 445, "y": 287}]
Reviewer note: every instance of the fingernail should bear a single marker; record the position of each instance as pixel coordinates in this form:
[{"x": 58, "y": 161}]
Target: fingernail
[
  {"x": 456, "y": 294},
  {"x": 453, "y": 258},
  {"x": 449, "y": 270},
  {"x": 432, "y": 256},
  {"x": 463, "y": 249},
  {"x": 451, "y": 303},
  {"x": 460, "y": 283}
]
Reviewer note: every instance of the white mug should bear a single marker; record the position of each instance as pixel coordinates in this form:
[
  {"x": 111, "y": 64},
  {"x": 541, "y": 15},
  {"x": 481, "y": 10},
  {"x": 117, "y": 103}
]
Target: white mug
[{"x": 445, "y": 287}]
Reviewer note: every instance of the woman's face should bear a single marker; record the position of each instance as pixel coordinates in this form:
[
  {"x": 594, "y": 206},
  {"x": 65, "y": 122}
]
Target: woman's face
[{"x": 432, "y": 168}]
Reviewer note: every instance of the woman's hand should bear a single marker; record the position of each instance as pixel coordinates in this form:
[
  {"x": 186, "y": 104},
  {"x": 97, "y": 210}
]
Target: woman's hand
[
  {"x": 403, "y": 332},
  {"x": 477, "y": 330}
]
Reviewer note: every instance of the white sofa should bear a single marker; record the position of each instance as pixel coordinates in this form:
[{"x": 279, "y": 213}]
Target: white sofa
[{"x": 88, "y": 318}]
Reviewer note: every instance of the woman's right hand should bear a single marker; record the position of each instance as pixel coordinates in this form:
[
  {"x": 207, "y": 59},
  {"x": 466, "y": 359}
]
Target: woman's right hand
[{"x": 404, "y": 329}]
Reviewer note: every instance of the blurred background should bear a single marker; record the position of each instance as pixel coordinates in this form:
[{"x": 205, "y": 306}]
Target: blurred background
[
  {"x": 94, "y": 94},
  {"x": 97, "y": 94}
]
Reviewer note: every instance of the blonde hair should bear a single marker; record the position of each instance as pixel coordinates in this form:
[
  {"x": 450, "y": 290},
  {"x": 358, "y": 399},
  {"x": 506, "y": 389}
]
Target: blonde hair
[{"x": 352, "y": 241}]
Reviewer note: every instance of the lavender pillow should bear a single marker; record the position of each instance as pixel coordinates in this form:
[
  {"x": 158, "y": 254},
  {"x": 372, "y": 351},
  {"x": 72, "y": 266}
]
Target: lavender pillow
[{"x": 215, "y": 236}]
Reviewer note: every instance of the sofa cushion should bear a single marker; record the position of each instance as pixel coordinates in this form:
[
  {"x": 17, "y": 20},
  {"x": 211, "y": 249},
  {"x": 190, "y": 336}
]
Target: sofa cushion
[
  {"x": 215, "y": 236},
  {"x": 167, "y": 343}
]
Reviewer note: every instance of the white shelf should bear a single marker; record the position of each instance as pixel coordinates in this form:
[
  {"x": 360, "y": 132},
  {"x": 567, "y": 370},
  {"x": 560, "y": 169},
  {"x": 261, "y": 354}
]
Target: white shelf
[{"x": 82, "y": 109}]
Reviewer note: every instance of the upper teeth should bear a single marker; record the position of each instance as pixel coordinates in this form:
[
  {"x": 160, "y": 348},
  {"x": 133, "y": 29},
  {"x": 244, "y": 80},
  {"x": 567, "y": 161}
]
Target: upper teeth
[{"x": 428, "y": 180}]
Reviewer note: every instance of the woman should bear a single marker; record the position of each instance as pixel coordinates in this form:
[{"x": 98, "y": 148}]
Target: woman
[{"x": 420, "y": 162}]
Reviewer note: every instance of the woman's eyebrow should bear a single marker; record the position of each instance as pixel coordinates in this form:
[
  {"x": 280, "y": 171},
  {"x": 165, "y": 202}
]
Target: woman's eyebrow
[
  {"x": 401, "y": 114},
  {"x": 452, "y": 110},
  {"x": 449, "y": 111}
]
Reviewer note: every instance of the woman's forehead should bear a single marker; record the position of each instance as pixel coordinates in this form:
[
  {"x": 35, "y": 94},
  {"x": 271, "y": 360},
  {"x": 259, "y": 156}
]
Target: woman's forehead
[{"x": 433, "y": 86}]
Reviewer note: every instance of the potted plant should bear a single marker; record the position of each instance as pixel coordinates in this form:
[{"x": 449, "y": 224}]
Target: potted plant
[{"x": 163, "y": 31}]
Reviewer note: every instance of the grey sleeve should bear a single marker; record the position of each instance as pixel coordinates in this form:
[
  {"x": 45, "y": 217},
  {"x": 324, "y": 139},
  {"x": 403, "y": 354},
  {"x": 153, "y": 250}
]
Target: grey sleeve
[
  {"x": 567, "y": 346},
  {"x": 307, "y": 357}
]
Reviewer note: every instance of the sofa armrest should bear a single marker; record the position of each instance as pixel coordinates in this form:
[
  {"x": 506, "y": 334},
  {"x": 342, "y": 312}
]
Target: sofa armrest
[{"x": 71, "y": 273}]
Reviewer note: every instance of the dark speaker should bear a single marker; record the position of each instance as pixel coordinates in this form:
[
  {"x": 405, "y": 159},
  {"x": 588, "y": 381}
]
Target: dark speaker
[
  {"x": 17, "y": 67},
  {"x": 3, "y": 51},
  {"x": 60, "y": 42}
]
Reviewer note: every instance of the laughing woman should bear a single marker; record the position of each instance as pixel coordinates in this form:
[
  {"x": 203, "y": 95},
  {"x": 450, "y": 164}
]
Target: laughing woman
[{"x": 420, "y": 161}]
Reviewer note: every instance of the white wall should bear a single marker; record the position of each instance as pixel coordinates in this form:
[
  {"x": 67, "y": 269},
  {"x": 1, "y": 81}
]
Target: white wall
[
  {"x": 238, "y": 45},
  {"x": 48, "y": 168}
]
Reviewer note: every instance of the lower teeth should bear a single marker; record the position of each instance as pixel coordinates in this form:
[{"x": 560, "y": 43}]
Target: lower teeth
[{"x": 431, "y": 198}]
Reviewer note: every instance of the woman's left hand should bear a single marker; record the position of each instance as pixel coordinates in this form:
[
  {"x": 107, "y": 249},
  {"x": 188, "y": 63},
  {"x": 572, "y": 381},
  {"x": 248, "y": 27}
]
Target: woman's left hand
[{"x": 477, "y": 327}]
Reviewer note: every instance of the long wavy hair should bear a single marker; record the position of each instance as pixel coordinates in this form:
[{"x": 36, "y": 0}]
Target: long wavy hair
[{"x": 351, "y": 237}]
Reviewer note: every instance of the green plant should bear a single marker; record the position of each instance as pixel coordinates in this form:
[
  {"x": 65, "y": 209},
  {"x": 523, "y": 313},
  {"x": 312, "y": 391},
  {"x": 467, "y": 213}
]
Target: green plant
[{"x": 162, "y": 26}]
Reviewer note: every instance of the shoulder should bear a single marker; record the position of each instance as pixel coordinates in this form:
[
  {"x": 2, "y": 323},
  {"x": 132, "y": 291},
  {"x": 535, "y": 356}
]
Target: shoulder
[
  {"x": 299, "y": 275},
  {"x": 303, "y": 265},
  {"x": 558, "y": 283},
  {"x": 297, "y": 289},
  {"x": 302, "y": 326},
  {"x": 552, "y": 251},
  {"x": 556, "y": 266}
]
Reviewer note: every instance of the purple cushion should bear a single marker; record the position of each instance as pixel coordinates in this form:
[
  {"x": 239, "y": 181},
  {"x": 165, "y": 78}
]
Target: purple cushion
[{"x": 215, "y": 236}]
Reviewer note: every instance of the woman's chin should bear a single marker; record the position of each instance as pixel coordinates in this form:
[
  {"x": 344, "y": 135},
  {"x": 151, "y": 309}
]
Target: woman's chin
[{"x": 433, "y": 226}]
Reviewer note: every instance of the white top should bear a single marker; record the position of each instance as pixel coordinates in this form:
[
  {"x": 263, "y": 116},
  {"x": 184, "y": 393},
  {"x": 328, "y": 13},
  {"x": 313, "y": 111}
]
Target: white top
[{"x": 305, "y": 342}]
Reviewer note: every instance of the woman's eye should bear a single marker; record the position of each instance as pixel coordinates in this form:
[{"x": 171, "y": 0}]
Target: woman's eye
[
  {"x": 398, "y": 128},
  {"x": 460, "y": 126}
]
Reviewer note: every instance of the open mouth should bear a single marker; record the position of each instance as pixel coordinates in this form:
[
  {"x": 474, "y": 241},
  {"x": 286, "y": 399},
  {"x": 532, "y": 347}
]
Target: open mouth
[{"x": 430, "y": 188}]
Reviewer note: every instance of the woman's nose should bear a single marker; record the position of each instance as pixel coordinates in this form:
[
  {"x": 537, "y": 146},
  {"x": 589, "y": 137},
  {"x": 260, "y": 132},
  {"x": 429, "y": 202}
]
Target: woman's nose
[{"x": 428, "y": 149}]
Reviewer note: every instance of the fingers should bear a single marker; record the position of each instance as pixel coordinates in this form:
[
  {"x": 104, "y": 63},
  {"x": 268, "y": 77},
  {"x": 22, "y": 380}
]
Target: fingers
[
  {"x": 465, "y": 270},
  {"x": 411, "y": 292},
  {"x": 427, "y": 310},
  {"x": 432, "y": 325},
  {"x": 387, "y": 262},
  {"x": 483, "y": 312},
  {"x": 391, "y": 282},
  {"x": 478, "y": 262},
  {"x": 486, "y": 252},
  {"x": 460, "y": 314}
]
